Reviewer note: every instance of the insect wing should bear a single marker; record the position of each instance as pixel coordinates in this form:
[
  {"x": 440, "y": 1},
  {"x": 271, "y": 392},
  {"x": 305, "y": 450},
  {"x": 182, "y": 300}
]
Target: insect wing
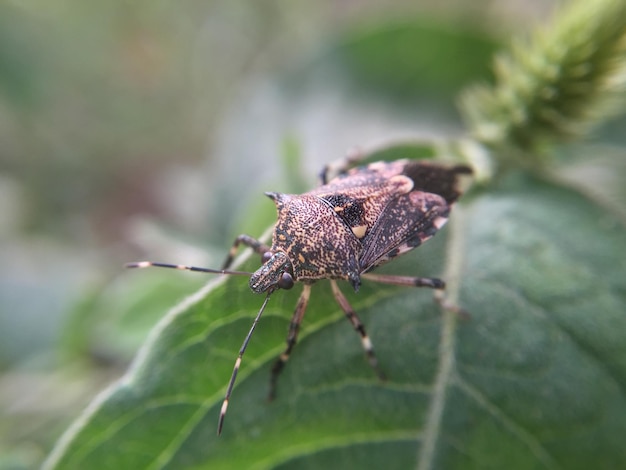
[
  {"x": 411, "y": 219},
  {"x": 437, "y": 179},
  {"x": 404, "y": 224}
]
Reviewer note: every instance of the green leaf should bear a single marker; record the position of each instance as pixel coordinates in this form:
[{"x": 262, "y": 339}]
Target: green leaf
[
  {"x": 598, "y": 172},
  {"x": 112, "y": 323},
  {"x": 534, "y": 378},
  {"x": 403, "y": 58}
]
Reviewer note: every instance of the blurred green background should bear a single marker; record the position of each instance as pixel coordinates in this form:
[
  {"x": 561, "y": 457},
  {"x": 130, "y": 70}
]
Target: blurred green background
[{"x": 133, "y": 130}]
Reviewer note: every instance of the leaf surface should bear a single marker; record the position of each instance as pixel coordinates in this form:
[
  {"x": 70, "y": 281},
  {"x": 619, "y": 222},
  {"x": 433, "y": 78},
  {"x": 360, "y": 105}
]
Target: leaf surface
[{"x": 534, "y": 378}]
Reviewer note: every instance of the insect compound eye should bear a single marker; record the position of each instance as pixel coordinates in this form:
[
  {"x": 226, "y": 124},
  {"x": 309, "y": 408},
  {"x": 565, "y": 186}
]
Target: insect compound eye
[
  {"x": 285, "y": 281},
  {"x": 266, "y": 257}
]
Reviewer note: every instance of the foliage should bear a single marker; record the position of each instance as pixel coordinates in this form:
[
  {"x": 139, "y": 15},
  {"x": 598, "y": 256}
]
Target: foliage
[
  {"x": 534, "y": 378},
  {"x": 557, "y": 84}
]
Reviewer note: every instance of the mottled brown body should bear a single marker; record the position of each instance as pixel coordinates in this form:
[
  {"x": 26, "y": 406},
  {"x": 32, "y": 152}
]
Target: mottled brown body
[{"x": 359, "y": 220}]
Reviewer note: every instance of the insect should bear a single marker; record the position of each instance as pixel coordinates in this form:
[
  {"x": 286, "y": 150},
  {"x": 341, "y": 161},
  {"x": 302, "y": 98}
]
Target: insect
[{"x": 342, "y": 230}]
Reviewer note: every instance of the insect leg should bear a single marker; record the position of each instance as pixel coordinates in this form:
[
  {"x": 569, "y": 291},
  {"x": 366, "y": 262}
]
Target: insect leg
[
  {"x": 233, "y": 377},
  {"x": 407, "y": 281},
  {"x": 358, "y": 326},
  {"x": 246, "y": 240},
  {"x": 292, "y": 337},
  {"x": 340, "y": 166}
]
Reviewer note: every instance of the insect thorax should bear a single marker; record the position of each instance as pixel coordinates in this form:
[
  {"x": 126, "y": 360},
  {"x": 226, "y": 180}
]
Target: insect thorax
[{"x": 317, "y": 242}]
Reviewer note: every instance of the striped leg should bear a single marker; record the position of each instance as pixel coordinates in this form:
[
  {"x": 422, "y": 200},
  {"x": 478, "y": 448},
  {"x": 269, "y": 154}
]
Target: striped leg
[
  {"x": 340, "y": 166},
  {"x": 246, "y": 240},
  {"x": 292, "y": 337},
  {"x": 358, "y": 326},
  {"x": 407, "y": 281}
]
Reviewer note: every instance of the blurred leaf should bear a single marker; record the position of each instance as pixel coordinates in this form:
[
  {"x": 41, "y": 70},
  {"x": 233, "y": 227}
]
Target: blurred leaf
[
  {"x": 411, "y": 150},
  {"x": 111, "y": 324},
  {"x": 597, "y": 171},
  {"x": 535, "y": 379},
  {"x": 20, "y": 62},
  {"x": 406, "y": 58},
  {"x": 291, "y": 159}
]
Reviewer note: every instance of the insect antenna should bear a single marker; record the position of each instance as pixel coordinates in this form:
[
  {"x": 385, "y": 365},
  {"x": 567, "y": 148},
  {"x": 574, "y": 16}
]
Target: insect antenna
[
  {"x": 147, "y": 264},
  {"x": 242, "y": 350},
  {"x": 233, "y": 377}
]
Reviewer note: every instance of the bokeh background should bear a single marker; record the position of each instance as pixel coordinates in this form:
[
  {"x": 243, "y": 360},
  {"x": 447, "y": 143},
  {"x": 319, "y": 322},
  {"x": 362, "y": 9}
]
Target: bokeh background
[{"x": 151, "y": 128}]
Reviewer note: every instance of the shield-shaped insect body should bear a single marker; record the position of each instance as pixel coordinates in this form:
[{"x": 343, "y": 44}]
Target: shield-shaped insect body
[{"x": 342, "y": 230}]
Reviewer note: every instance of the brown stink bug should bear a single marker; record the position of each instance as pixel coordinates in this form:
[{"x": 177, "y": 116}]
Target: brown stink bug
[{"x": 343, "y": 229}]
